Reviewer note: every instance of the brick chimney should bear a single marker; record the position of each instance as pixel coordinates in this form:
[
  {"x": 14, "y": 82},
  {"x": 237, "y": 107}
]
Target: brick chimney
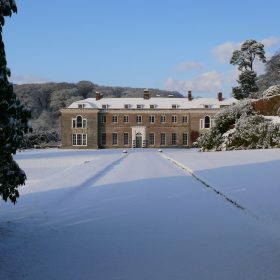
[
  {"x": 220, "y": 96},
  {"x": 146, "y": 94},
  {"x": 190, "y": 98},
  {"x": 98, "y": 95}
]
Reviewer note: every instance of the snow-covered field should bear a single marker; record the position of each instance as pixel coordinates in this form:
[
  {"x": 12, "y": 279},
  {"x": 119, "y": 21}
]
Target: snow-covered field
[{"x": 176, "y": 215}]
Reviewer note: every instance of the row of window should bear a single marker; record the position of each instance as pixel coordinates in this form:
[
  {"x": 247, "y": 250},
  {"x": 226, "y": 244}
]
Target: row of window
[
  {"x": 128, "y": 106},
  {"x": 151, "y": 139},
  {"x": 80, "y": 122},
  {"x": 139, "y": 119}
]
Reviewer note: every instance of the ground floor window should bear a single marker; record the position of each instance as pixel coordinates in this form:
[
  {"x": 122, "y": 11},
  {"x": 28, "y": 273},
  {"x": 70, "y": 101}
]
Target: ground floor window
[
  {"x": 163, "y": 139},
  {"x": 174, "y": 139},
  {"x": 103, "y": 139},
  {"x": 185, "y": 138},
  {"x": 79, "y": 139},
  {"x": 152, "y": 139},
  {"x": 115, "y": 139},
  {"x": 125, "y": 138}
]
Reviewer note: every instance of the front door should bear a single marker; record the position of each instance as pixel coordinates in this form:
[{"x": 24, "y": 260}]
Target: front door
[{"x": 138, "y": 140}]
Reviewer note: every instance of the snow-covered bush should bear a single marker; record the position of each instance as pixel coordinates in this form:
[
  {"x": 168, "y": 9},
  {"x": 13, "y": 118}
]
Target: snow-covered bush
[{"x": 239, "y": 127}]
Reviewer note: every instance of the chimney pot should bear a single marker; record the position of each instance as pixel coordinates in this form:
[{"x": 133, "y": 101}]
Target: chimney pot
[
  {"x": 190, "y": 95},
  {"x": 98, "y": 95},
  {"x": 220, "y": 96},
  {"x": 146, "y": 94}
]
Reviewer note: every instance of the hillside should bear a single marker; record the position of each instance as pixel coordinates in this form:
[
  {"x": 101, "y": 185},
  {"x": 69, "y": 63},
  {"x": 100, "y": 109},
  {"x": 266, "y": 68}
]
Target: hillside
[{"x": 45, "y": 100}]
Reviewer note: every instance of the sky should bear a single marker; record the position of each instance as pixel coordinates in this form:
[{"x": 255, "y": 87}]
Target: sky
[{"x": 175, "y": 45}]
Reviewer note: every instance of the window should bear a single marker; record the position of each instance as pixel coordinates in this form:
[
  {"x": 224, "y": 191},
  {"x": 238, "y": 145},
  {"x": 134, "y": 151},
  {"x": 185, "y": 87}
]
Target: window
[
  {"x": 175, "y": 106},
  {"x": 114, "y": 119},
  {"x": 139, "y": 106},
  {"x": 162, "y": 119},
  {"x": 114, "y": 138},
  {"x": 105, "y": 106},
  {"x": 174, "y": 119},
  {"x": 103, "y": 119},
  {"x": 79, "y": 139},
  {"x": 126, "y": 106},
  {"x": 152, "y": 106},
  {"x": 163, "y": 139},
  {"x": 152, "y": 138},
  {"x": 152, "y": 119},
  {"x": 81, "y": 106},
  {"x": 125, "y": 119},
  {"x": 206, "y": 122},
  {"x": 185, "y": 119},
  {"x": 138, "y": 119},
  {"x": 174, "y": 139},
  {"x": 103, "y": 139},
  {"x": 79, "y": 122},
  {"x": 185, "y": 138},
  {"x": 206, "y": 106},
  {"x": 125, "y": 138}
]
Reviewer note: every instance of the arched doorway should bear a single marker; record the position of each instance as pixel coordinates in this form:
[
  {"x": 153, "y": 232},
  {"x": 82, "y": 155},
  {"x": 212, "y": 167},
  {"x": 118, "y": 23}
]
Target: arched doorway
[{"x": 138, "y": 140}]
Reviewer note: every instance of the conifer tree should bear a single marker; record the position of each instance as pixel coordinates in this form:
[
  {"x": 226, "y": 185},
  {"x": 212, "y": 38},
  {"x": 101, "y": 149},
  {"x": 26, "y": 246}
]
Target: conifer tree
[{"x": 13, "y": 120}]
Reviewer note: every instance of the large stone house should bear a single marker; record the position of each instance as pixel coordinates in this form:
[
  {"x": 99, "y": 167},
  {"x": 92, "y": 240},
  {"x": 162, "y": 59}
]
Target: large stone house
[{"x": 138, "y": 122}]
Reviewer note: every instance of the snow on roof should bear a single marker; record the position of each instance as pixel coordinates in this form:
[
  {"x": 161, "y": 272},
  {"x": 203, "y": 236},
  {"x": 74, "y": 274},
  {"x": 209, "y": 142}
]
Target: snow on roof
[{"x": 155, "y": 103}]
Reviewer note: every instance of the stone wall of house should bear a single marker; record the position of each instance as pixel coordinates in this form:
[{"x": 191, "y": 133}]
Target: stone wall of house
[{"x": 96, "y": 126}]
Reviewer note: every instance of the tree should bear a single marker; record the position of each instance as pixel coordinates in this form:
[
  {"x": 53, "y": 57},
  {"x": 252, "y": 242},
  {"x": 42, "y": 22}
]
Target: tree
[
  {"x": 244, "y": 58},
  {"x": 13, "y": 120}
]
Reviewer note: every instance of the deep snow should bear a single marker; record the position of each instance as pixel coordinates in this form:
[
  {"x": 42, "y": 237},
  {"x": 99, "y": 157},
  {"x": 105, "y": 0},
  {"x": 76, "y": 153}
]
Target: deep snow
[{"x": 106, "y": 215}]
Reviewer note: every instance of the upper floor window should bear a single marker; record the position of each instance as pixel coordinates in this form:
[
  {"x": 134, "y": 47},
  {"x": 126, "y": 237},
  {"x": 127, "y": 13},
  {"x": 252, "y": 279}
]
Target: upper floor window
[
  {"x": 138, "y": 119},
  {"x": 81, "y": 106},
  {"x": 152, "y": 119},
  {"x": 162, "y": 119},
  {"x": 79, "y": 122},
  {"x": 105, "y": 106},
  {"x": 126, "y": 106},
  {"x": 185, "y": 119},
  {"x": 206, "y": 122},
  {"x": 103, "y": 119},
  {"x": 152, "y": 106},
  {"x": 114, "y": 119},
  {"x": 175, "y": 106},
  {"x": 174, "y": 119},
  {"x": 139, "y": 106},
  {"x": 125, "y": 119}
]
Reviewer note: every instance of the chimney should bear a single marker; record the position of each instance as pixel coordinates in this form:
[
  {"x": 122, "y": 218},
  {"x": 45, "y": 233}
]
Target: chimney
[
  {"x": 98, "y": 95},
  {"x": 220, "y": 96},
  {"x": 146, "y": 94},
  {"x": 190, "y": 95}
]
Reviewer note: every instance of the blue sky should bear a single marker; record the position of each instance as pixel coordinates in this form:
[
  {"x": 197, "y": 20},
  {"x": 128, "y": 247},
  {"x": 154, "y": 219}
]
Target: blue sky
[{"x": 175, "y": 45}]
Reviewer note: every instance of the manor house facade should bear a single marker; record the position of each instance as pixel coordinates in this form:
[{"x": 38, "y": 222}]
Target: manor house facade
[{"x": 138, "y": 122}]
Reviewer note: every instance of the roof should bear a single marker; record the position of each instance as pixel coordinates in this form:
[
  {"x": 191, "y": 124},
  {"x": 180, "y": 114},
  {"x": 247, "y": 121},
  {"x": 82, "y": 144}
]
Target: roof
[{"x": 158, "y": 102}]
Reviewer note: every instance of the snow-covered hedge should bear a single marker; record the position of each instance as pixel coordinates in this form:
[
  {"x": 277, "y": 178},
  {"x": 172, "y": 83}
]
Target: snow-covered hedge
[{"x": 239, "y": 127}]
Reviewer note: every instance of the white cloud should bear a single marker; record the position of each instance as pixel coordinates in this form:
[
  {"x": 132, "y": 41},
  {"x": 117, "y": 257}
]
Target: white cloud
[
  {"x": 224, "y": 51},
  {"x": 27, "y": 79},
  {"x": 270, "y": 42},
  {"x": 207, "y": 82},
  {"x": 188, "y": 66}
]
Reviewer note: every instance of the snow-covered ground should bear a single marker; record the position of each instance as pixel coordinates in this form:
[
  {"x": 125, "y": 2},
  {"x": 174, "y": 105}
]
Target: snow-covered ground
[{"x": 180, "y": 214}]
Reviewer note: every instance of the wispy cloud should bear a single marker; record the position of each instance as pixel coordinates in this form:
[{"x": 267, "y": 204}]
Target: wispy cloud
[
  {"x": 28, "y": 79},
  {"x": 207, "y": 82},
  {"x": 224, "y": 51},
  {"x": 188, "y": 66}
]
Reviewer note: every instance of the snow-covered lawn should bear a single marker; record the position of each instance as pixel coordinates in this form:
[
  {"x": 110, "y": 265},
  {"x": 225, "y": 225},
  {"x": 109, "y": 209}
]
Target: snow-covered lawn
[{"x": 106, "y": 215}]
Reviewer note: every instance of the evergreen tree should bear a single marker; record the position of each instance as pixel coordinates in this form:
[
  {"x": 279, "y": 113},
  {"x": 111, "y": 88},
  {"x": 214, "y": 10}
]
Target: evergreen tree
[
  {"x": 244, "y": 58},
  {"x": 13, "y": 120}
]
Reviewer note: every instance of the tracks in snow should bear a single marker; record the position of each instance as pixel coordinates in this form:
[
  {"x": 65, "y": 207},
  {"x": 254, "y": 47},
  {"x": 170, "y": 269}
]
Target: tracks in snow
[{"x": 212, "y": 188}]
